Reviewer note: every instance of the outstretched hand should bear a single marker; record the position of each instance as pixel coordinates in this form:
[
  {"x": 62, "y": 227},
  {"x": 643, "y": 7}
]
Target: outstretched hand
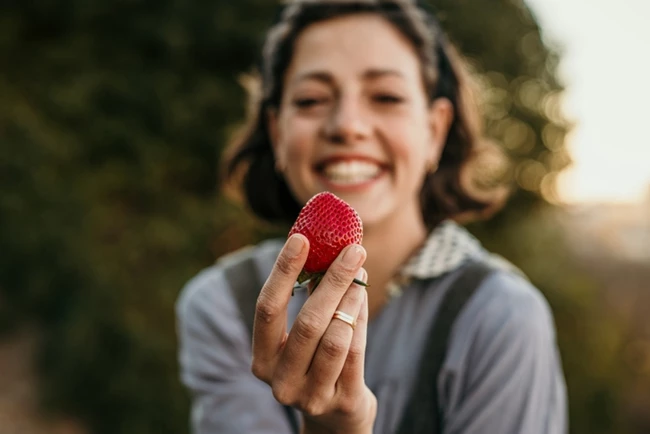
[{"x": 317, "y": 366}]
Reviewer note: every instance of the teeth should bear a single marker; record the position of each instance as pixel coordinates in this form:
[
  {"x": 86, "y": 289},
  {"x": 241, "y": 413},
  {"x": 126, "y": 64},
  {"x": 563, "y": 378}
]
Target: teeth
[{"x": 350, "y": 172}]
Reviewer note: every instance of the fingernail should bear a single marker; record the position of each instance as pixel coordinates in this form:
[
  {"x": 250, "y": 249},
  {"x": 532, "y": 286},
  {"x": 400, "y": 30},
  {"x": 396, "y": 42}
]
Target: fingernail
[
  {"x": 294, "y": 245},
  {"x": 362, "y": 275},
  {"x": 353, "y": 255}
]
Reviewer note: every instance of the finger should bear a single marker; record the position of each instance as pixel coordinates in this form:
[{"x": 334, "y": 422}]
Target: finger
[
  {"x": 270, "y": 324},
  {"x": 315, "y": 315},
  {"x": 351, "y": 381},
  {"x": 332, "y": 350},
  {"x": 340, "y": 275}
]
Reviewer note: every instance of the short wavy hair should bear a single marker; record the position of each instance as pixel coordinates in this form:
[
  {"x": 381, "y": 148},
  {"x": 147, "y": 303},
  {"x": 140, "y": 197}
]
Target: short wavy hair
[{"x": 446, "y": 193}]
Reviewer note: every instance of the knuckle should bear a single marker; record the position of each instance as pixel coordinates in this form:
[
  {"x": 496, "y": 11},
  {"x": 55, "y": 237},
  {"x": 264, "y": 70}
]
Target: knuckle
[
  {"x": 282, "y": 393},
  {"x": 334, "y": 346},
  {"x": 355, "y": 295},
  {"x": 307, "y": 327},
  {"x": 266, "y": 310},
  {"x": 355, "y": 354},
  {"x": 347, "y": 406},
  {"x": 340, "y": 277},
  {"x": 259, "y": 370},
  {"x": 314, "y": 405}
]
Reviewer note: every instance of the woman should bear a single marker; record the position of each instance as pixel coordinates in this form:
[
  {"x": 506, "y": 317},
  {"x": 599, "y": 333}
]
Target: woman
[{"x": 366, "y": 99}]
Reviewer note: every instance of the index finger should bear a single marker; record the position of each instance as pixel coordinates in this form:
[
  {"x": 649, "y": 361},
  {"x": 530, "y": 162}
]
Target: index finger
[{"x": 270, "y": 325}]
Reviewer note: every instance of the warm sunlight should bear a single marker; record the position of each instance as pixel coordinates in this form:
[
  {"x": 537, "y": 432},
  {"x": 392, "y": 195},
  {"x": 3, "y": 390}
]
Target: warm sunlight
[{"x": 606, "y": 69}]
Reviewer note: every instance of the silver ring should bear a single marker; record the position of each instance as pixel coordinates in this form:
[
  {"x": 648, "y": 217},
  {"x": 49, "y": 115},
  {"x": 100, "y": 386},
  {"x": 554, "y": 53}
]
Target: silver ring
[{"x": 346, "y": 318}]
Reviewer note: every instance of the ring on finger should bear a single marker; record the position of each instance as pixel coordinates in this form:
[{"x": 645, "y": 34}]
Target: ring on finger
[{"x": 346, "y": 318}]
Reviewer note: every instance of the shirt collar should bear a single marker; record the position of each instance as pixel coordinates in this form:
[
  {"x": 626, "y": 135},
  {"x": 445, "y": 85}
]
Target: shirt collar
[{"x": 446, "y": 248}]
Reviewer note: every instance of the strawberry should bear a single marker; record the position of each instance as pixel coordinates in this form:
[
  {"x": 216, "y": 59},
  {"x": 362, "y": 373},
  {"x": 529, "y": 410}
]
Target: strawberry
[{"x": 329, "y": 224}]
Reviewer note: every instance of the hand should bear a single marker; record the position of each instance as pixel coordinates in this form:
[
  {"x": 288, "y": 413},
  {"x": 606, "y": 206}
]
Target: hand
[{"x": 318, "y": 365}]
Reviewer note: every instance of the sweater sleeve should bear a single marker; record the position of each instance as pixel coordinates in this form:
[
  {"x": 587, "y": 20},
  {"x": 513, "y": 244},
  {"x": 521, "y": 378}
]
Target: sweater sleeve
[
  {"x": 507, "y": 376},
  {"x": 215, "y": 358}
]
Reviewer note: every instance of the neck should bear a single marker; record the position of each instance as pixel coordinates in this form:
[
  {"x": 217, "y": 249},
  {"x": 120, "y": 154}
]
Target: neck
[{"x": 389, "y": 245}]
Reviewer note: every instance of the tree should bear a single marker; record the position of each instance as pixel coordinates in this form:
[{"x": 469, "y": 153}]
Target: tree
[{"x": 112, "y": 121}]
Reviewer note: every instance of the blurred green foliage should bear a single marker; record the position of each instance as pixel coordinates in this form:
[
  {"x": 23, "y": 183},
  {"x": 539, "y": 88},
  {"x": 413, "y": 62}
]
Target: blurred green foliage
[{"x": 112, "y": 119}]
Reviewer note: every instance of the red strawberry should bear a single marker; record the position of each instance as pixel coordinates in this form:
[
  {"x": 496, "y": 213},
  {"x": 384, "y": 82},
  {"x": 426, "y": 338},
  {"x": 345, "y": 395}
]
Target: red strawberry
[{"x": 329, "y": 224}]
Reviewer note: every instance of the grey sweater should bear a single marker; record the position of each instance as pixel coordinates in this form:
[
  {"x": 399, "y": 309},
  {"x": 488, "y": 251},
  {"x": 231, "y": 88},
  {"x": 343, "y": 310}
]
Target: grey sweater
[{"x": 502, "y": 373}]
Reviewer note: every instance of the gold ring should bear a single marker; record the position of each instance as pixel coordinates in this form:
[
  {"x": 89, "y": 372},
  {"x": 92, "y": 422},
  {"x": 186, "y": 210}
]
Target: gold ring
[{"x": 348, "y": 319}]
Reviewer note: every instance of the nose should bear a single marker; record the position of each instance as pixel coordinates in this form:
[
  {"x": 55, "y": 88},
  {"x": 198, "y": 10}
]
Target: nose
[{"x": 347, "y": 123}]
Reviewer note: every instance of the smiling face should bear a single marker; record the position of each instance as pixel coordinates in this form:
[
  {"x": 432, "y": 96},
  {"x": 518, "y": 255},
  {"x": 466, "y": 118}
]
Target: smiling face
[{"x": 355, "y": 119}]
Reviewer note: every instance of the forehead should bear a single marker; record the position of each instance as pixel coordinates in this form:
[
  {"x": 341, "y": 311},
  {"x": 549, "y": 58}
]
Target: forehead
[{"x": 353, "y": 44}]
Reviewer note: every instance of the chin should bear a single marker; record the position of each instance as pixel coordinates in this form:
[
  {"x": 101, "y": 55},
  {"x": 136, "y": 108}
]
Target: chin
[
  {"x": 373, "y": 199},
  {"x": 372, "y": 214}
]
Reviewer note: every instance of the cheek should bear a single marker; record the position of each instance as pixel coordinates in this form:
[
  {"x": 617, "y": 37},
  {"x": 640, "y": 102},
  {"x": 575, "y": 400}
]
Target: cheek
[
  {"x": 294, "y": 138},
  {"x": 410, "y": 143},
  {"x": 295, "y": 144}
]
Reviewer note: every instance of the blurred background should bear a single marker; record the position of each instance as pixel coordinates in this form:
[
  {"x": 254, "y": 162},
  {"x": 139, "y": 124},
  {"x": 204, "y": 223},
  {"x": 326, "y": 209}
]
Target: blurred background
[{"x": 113, "y": 116}]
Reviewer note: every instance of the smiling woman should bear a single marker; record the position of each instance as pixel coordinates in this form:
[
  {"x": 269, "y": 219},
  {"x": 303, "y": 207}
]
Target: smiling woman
[
  {"x": 365, "y": 96},
  {"x": 368, "y": 100},
  {"x": 340, "y": 91}
]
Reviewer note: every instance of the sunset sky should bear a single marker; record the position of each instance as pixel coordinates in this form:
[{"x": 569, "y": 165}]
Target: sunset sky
[{"x": 606, "y": 70}]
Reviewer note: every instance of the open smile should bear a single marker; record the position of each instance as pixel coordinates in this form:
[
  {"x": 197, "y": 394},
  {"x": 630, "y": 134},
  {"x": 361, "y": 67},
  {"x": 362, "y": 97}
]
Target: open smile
[{"x": 349, "y": 172}]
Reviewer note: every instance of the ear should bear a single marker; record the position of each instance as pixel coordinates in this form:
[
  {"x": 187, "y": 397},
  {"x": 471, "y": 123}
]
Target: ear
[{"x": 441, "y": 116}]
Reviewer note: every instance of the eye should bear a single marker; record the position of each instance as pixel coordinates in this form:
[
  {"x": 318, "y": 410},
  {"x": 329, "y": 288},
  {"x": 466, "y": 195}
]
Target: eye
[
  {"x": 305, "y": 103},
  {"x": 386, "y": 98}
]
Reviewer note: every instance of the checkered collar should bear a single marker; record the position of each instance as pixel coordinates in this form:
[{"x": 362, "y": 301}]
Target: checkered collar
[{"x": 447, "y": 247}]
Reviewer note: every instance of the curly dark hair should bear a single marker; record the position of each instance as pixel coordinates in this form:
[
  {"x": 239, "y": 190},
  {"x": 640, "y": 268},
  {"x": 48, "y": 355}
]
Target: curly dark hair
[{"x": 250, "y": 161}]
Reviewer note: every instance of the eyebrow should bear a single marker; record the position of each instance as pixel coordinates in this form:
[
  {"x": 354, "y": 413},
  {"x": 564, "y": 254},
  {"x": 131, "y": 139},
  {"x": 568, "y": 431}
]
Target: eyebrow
[
  {"x": 377, "y": 73},
  {"x": 327, "y": 78}
]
